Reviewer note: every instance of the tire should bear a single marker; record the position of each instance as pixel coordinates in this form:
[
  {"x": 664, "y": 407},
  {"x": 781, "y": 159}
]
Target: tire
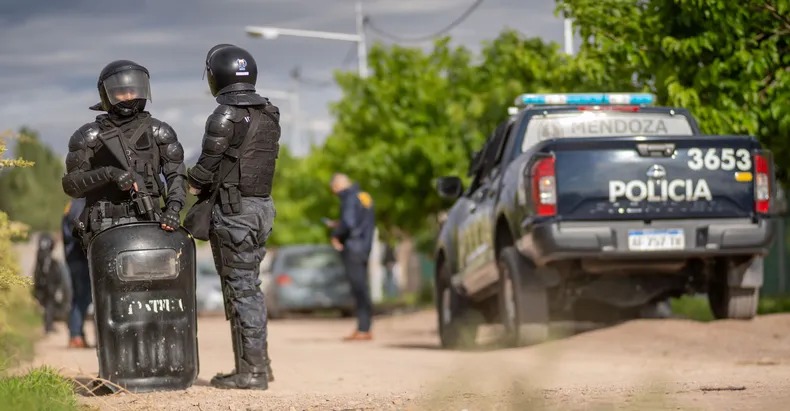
[
  {"x": 735, "y": 303},
  {"x": 524, "y": 306},
  {"x": 458, "y": 323}
]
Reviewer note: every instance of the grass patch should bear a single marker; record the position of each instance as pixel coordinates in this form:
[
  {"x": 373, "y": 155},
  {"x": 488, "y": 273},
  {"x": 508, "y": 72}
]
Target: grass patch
[
  {"x": 40, "y": 389},
  {"x": 696, "y": 307},
  {"x": 774, "y": 304},
  {"x": 692, "y": 307}
]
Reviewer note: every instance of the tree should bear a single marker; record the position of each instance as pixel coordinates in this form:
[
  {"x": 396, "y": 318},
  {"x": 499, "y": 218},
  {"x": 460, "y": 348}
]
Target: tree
[
  {"x": 726, "y": 61},
  {"x": 301, "y": 195},
  {"x": 34, "y": 196},
  {"x": 419, "y": 116}
]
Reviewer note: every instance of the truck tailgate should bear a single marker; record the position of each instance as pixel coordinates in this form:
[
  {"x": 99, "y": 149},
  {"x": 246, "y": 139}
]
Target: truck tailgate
[{"x": 654, "y": 177}]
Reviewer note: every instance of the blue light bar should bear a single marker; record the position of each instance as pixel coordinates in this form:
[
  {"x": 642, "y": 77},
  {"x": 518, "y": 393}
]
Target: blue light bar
[{"x": 585, "y": 98}]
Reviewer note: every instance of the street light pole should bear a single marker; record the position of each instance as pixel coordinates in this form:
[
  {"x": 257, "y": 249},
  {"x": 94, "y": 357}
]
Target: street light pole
[
  {"x": 271, "y": 33},
  {"x": 568, "y": 36},
  {"x": 362, "y": 49}
]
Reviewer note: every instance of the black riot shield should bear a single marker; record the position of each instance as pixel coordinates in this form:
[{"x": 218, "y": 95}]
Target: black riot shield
[{"x": 144, "y": 301}]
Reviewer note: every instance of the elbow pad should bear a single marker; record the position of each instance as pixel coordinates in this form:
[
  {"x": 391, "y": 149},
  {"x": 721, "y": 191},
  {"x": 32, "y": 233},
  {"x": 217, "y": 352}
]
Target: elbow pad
[
  {"x": 79, "y": 183},
  {"x": 199, "y": 176}
]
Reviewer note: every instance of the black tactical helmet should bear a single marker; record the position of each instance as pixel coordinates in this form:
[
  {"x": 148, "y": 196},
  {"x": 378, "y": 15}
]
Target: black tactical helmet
[
  {"x": 123, "y": 81},
  {"x": 230, "y": 68}
]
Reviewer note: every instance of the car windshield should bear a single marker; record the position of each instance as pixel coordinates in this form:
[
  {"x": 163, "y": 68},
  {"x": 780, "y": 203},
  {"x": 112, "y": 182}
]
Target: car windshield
[
  {"x": 312, "y": 258},
  {"x": 583, "y": 124}
]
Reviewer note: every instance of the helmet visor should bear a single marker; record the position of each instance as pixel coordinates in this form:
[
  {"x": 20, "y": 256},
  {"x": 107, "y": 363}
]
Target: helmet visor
[{"x": 127, "y": 85}]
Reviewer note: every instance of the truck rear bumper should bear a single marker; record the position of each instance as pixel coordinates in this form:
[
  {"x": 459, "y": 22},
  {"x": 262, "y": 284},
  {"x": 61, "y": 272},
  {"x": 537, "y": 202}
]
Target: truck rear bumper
[{"x": 549, "y": 241}]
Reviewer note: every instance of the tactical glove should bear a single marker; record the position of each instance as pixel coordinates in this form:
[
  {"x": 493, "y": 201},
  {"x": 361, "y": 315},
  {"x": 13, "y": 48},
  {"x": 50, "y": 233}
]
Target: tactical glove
[
  {"x": 124, "y": 179},
  {"x": 170, "y": 216}
]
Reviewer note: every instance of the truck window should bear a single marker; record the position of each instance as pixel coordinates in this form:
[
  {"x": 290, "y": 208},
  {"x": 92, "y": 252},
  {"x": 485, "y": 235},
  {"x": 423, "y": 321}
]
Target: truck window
[{"x": 583, "y": 124}]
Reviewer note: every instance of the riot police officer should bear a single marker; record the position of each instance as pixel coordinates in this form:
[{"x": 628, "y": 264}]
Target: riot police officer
[
  {"x": 115, "y": 162},
  {"x": 240, "y": 147},
  {"x": 47, "y": 279}
]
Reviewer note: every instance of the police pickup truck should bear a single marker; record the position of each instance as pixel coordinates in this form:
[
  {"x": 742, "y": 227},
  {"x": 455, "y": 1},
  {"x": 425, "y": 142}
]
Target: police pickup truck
[{"x": 600, "y": 200}]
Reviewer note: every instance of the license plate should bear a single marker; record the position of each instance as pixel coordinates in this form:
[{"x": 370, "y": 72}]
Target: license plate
[{"x": 656, "y": 240}]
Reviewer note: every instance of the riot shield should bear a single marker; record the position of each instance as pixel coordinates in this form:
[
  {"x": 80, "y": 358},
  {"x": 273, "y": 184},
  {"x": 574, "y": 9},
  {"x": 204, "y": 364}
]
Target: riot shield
[{"x": 144, "y": 305}]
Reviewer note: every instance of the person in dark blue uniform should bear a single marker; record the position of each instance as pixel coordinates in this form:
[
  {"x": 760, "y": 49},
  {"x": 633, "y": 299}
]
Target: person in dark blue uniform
[
  {"x": 352, "y": 236},
  {"x": 77, "y": 262}
]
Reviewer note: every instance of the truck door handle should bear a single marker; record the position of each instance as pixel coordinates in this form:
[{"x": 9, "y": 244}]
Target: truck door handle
[{"x": 655, "y": 149}]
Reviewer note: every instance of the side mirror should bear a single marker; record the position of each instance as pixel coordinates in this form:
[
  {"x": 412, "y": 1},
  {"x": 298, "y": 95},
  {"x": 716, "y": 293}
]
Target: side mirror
[{"x": 450, "y": 187}]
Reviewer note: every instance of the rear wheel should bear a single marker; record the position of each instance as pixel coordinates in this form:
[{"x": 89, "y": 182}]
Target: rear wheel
[
  {"x": 731, "y": 301},
  {"x": 524, "y": 306},
  {"x": 458, "y": 323}
]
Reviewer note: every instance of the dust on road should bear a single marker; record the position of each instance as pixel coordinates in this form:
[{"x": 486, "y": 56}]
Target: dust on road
[{"x": 645, "y": 364}]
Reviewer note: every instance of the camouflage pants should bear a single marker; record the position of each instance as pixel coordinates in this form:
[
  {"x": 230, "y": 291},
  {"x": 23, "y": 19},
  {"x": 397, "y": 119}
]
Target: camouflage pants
[{"x": 238, "y": 246}]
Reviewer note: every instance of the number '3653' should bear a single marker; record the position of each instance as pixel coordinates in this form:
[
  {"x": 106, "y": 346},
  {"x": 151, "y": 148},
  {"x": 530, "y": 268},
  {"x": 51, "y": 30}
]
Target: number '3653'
[{"x": 728, "y": 159}]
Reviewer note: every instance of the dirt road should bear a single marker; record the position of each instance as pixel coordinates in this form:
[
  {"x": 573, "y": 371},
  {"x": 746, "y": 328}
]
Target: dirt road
[{"x": 646, "y": 364}]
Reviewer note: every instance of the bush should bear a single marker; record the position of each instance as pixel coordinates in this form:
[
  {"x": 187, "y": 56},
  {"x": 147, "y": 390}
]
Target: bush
[{"x": 40, "y": 389}]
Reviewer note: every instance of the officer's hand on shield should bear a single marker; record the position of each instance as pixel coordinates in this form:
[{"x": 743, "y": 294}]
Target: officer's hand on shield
[{"x": 170, "y": 219}]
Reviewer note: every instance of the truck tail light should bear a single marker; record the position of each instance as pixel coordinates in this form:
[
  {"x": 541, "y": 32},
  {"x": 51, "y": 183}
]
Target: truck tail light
[
  {"x": 544, "y": 187},
  {"x": 762, "y": 184}
]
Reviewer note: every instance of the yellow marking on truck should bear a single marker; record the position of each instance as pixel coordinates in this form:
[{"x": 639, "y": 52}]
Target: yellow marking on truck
[{"x": 743, "y": 176}]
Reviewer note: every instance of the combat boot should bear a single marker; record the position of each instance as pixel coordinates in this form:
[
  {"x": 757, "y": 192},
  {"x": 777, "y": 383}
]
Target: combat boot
[
  {"x": 268, "y": 362},
  {"x": 246, "y": 377}
]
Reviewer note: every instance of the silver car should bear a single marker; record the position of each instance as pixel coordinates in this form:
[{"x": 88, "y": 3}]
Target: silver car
[{"x": 306, "y": 278}]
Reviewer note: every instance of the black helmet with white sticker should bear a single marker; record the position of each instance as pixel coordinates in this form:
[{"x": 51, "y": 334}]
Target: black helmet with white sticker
[{"x": 230, "y": 68}]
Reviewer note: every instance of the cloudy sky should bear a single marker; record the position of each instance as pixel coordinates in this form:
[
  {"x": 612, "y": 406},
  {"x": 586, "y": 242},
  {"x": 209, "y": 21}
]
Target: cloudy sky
[{"x": 52, "y": 51}]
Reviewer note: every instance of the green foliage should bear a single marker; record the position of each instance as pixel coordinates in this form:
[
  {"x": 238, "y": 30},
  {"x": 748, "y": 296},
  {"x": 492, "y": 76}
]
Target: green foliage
[
  {"x": 697, "y": 308},
  {"x": 692, "y": 308},
  {"x": 728, "y": 62},
  {"x": 771, "y": 305},
  {"x": 419, "y": 116},
  {"x": 34, "y": 196},
  {"x": 301, "y": 197},
  {"x": 41, "y": 389},
  {"x": 18, "y": 321}
]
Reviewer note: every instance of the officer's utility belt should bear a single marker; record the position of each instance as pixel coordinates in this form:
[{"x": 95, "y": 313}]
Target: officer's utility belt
[{"x": 102, "y": 210}]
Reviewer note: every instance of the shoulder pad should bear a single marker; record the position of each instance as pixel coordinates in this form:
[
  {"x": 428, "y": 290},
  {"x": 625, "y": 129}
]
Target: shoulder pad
[
  {"x": 163, "y": 133},
  {"x": 220, "y": 122},
  {"x": 274, "y": 110},
  {"x": 233, "y": 113},
  {"x": 174, "y": 152},
  {"x": 85, "y": 136}
]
